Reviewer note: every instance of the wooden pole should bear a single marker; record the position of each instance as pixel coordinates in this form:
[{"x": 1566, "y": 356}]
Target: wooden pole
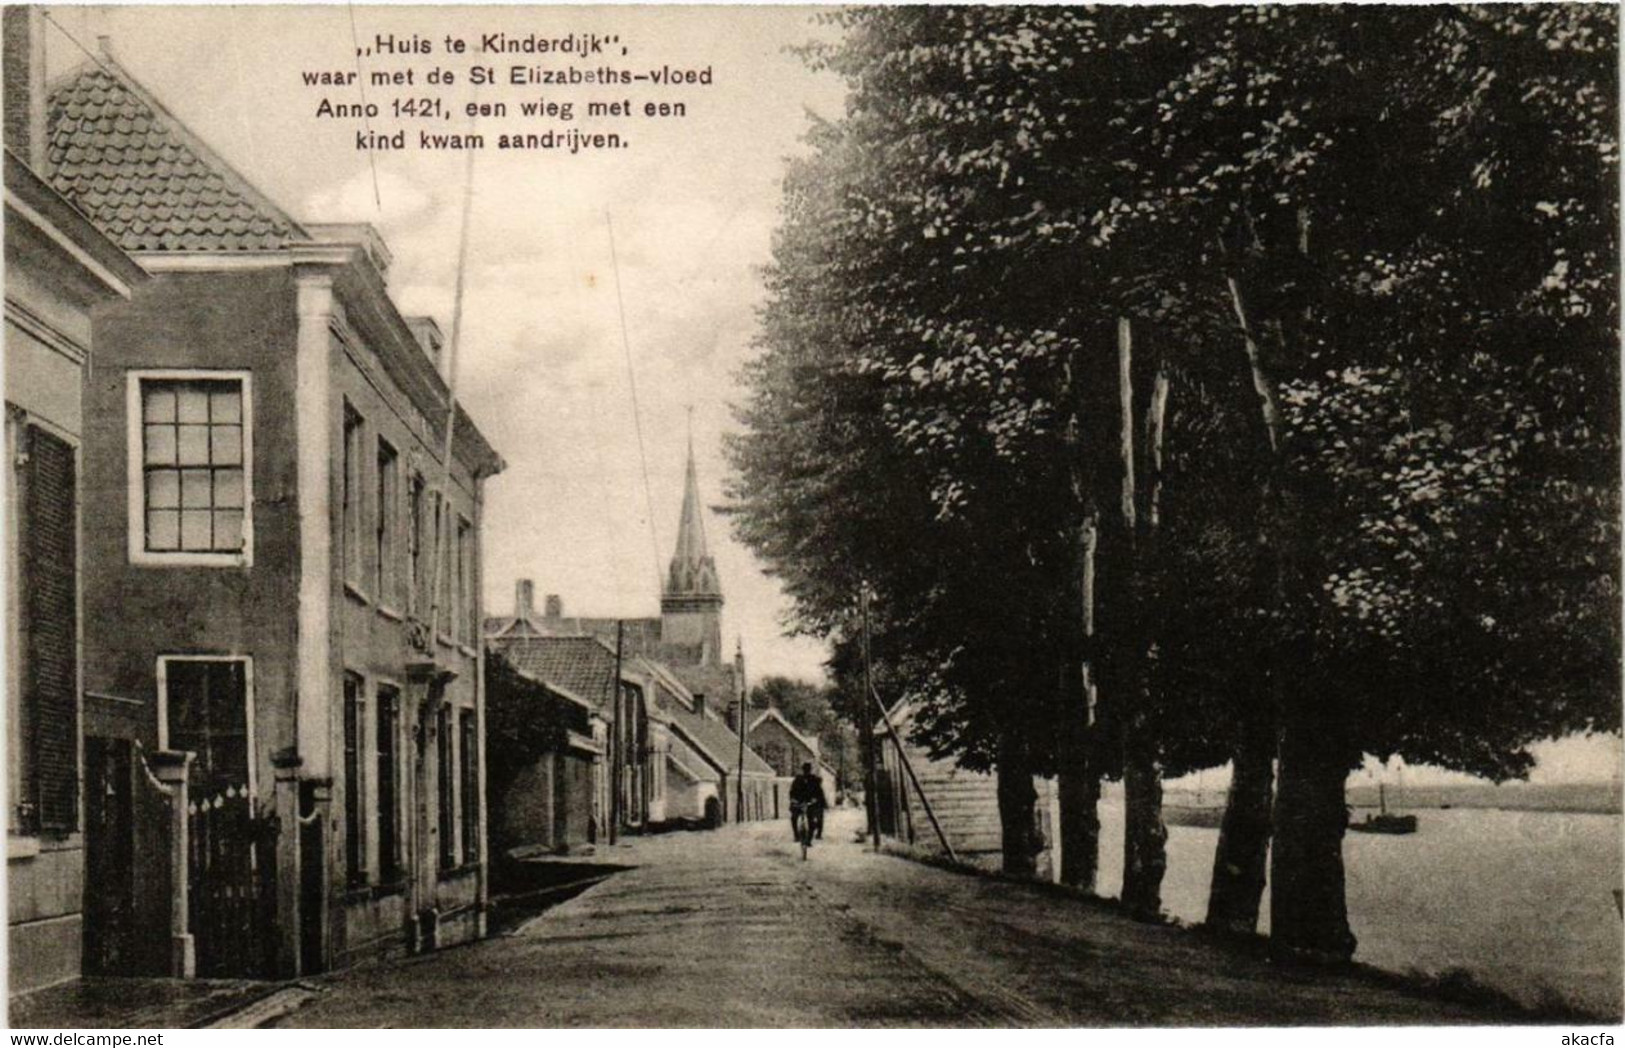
[
  {"x": 870, "y": 779},
  {"x": 925, "y": 802},
  {"x": 444, "y": 518},
  {"x": 739, "y": 788},
  {"x": 615, "y": 754}
]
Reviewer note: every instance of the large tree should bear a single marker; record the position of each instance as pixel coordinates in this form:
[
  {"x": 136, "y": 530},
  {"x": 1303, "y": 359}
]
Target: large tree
[{"x": 1388, "y": 381}]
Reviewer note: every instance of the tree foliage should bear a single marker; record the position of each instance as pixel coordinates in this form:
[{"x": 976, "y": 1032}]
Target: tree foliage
[{"x": 1375, "y": 249}]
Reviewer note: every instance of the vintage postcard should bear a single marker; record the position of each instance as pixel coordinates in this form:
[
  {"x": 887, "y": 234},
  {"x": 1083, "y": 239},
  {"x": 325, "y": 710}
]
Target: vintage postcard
[{"x": 813, "y": 517}]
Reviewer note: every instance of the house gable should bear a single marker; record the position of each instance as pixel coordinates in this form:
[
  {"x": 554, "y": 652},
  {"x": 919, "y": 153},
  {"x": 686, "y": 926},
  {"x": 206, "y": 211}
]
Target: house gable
[{"x": 136, "y": 171}]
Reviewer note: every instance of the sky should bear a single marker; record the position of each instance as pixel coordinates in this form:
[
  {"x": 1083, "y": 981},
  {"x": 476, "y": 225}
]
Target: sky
[
  {"x": 543, "y": 369},
  {"x": 542, "y": 366}
]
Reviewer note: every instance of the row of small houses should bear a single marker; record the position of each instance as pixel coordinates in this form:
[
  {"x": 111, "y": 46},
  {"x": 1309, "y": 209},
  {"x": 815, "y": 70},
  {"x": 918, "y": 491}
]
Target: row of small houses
[
  {"x": 246, "y": 723},
  {"x": 652, "y": 754}
]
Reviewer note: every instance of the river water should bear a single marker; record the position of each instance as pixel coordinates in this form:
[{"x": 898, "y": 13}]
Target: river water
[{"x": 1521, "y": 900}]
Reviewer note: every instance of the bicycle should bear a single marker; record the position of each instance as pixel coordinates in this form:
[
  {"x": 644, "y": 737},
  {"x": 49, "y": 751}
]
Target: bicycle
[{"x": 801, "y": 823}]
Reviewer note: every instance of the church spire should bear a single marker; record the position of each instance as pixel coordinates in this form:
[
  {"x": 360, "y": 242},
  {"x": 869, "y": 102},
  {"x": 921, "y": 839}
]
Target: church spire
[
  {"x": 692, "y": 572},
  {"x": 691, "y": 605}
]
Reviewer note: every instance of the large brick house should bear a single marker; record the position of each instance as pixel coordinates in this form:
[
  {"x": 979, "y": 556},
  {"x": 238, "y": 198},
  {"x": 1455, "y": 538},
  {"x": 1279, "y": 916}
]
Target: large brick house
[
  {"x": 268, "y": 501},
  {"x": 59, "y": 267}
]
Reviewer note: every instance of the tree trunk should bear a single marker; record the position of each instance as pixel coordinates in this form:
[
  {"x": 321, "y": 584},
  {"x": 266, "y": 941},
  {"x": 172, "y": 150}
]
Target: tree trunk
[
  {"x": 1017, "y": 800},
  {"x": 1308, "y": 911},
  {"x": 1242, "y": 855},
  {"x": 1078, "y": 794},
  {"x": 1308, "y": 907},
  {"x": 1078, "y": 785},
  {"x": 1145, "y": 837}
]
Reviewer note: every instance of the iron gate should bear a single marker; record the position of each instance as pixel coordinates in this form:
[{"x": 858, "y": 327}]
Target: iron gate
[{"x": 232, "y": 884}]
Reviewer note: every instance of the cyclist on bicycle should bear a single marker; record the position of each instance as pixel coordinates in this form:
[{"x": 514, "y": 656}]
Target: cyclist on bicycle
[{"x": 807, "y": 792}]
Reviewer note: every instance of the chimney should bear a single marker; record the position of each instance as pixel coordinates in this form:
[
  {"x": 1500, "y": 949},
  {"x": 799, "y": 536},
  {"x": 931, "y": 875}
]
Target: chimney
[
  {"x": 699, "y": 703},
  {"x": 555, "y": 606},
  {"x": 524, "y": 599},
  {"x": 23, "y": 64},
  {"x": 430, "y": 340}
]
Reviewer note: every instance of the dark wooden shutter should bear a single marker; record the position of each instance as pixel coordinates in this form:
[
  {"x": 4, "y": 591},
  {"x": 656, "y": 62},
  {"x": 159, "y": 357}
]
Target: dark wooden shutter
[
  {"x": 355, "y": 854},
  {"x": 50, "y": 572},
  {"x": 471, "y": 787},
  {"x": 448, "y": 791},
  {"x": 389, "y": 815}
]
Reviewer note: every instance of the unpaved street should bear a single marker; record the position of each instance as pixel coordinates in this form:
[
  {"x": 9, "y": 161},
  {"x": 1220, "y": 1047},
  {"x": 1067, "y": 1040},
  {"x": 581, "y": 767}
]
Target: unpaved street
[{"x": 732, "y": 929}]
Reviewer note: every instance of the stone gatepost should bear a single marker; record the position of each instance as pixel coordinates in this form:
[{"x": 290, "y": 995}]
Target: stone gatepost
[
  {"x": 286, "y": 765},
  {"x": 316, "y": 872},
  {"x": 170, "y": 768}
]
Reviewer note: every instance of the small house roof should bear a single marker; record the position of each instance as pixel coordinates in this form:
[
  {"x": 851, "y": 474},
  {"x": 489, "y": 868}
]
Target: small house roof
[{"x": 772, "y": 713}]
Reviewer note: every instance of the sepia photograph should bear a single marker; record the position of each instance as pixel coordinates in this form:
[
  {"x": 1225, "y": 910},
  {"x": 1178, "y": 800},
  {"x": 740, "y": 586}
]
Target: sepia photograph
[{"x": 754, "y": 517}]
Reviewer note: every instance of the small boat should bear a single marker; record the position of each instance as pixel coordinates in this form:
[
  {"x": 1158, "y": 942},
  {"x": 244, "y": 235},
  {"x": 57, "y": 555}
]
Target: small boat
[{"x": 1383, "y": 822}]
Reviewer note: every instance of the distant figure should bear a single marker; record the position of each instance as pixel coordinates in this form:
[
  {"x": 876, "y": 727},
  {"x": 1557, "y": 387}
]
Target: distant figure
[{"x": 807, "y": 788}]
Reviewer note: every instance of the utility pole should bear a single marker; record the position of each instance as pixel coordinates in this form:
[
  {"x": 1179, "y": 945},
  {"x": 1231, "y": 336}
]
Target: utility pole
[
  {"x": 739, "y": 788},
  {"x": 870, "y": 780},
  {"x": 615, "y": 755}
]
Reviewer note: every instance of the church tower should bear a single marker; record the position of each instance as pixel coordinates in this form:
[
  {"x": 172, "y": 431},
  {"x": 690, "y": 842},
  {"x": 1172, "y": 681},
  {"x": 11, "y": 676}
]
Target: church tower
[{"x": 691, "y": 604}]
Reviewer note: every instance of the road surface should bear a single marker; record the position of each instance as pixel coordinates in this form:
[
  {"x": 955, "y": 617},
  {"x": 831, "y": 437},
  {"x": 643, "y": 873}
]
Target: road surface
[{"x": 732, "y": 929}]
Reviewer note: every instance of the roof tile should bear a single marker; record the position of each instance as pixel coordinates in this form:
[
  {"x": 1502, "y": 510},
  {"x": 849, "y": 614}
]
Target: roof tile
[{"x": 138, "y": 176}]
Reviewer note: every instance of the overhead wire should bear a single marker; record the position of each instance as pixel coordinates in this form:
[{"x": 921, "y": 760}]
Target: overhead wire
[{"x": 637, "y": 413}]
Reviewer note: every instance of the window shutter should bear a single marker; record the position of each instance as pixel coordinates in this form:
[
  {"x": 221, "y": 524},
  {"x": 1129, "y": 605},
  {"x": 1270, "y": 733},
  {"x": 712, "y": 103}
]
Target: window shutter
[{"x": 50, "y": 571}]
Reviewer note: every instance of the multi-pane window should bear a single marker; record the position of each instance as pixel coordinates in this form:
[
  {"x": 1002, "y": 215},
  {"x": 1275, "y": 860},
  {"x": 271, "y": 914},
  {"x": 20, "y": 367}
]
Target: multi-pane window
[
  {"x": 193, "y": 437},
  {"x": 389, "y": 803},
  {"x": 463, "y": 628},
  {"x": 384, "y": 523},
  {"x": 355, "y": 719},
  {"x": 469, "y": 754},
  {"x": 414, "y": 548},
  {"x": 448, "y": 789},
  {"x": 354, "y": 486},
  {"x": 442, "y": 552}
]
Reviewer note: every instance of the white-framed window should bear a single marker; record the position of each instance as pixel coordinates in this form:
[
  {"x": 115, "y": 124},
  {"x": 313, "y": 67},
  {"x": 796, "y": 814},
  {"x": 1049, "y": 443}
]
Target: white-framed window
[
  {"x": 190, "y": 467},
  {"x": 389, "y": 809},
  {"x": 415, "y": 525},
  {"x": 206, "y": 707},
  {"x": 353, "y": 511},
  {"x": 466, "y": 629},
  {"x": 386, "y": 524},
  {"x": 355, "y": 779}
]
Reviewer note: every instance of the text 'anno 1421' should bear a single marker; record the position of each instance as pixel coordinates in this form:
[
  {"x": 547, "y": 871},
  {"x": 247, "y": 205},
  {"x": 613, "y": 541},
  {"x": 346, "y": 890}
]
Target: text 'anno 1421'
[{"x": 573, "y": 94}]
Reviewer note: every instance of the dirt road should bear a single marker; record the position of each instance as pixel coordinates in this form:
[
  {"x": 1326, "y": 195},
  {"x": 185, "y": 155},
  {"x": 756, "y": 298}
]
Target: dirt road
[{"x": 732, "y": 929}]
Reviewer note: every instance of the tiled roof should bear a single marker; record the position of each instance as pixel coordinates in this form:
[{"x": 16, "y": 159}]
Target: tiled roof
[
  {"x": 144, "y": 179},
  {"x": 582, "y": 665},
  {"x": 772, "y": 713},
  {"x": 717, "y": 740},
  {"x": 716, "y": 683},
  {"x": 507, "y": 627},
  {"x": 689, "y": 763},
  {"x": 705, "y": 731}
]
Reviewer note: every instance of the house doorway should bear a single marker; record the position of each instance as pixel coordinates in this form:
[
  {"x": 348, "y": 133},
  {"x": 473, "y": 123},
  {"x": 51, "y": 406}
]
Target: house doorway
[{"x": 206, "y": 709}]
